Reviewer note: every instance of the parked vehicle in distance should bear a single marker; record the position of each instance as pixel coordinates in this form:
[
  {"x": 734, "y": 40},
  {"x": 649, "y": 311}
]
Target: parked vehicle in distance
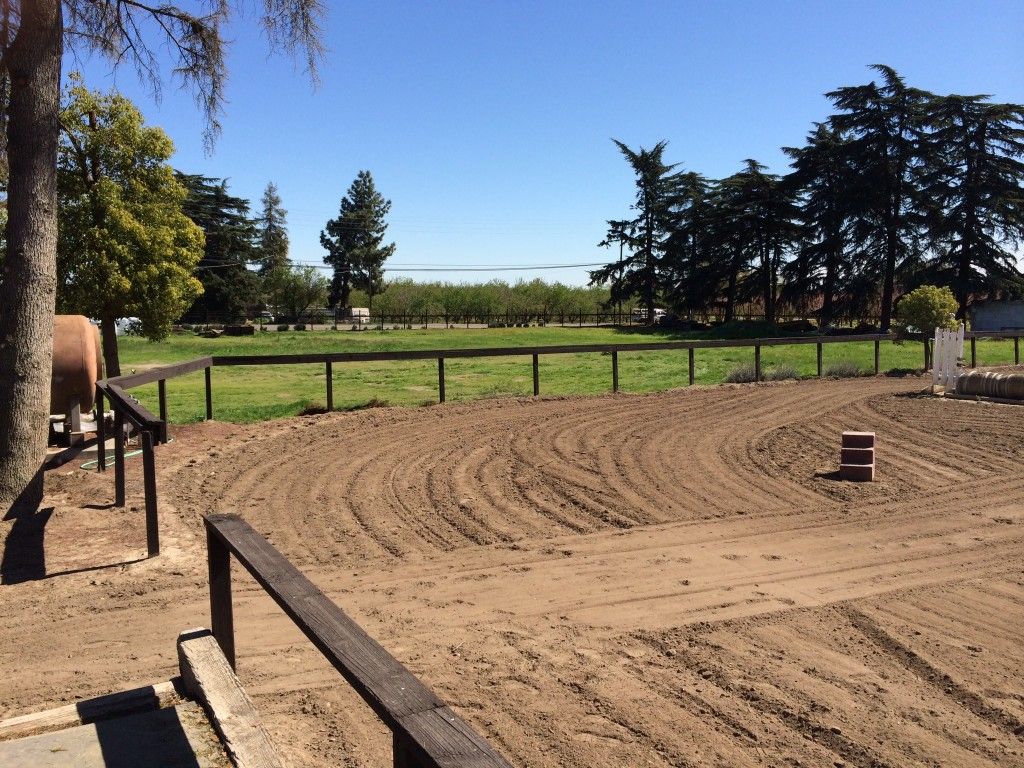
[
  {"x": 640, "y": 315},
  {"x": 266, "y": 317}
]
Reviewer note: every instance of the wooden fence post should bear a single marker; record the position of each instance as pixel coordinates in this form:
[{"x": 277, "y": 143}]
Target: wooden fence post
[
  {"x": 690, "y": 350},
  {"x": 440, "y": 379},
  {"x": 118, "y": 458},
  {"x": 615, "y": 370},
  {"x": 101, "y": 433},
  {"x": 330, "y": 387},
  {"x": 878, "y": 345},
  {"x": 222, "y": 622},
  {"x": 149, "y": 482},
  {"x": 1016, "y": 350},
  {"x": 974, "y": 352},
  {"x": 819, "y": 359},
  {"x": 757, "y": 362},
  {"x": 401, "y": 754},
  {"x": 209, "y": 394},
  {"x": 536, "y": 375},
  {"x": 161, "y": 387}
]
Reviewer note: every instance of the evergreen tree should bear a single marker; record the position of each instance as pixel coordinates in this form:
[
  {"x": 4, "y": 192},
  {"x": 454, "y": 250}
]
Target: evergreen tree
[
  {"x": 229, "y": 286},
  {"x": 646, "y": 235},
  {"x": 354, "y": 241},
  {"x": 881, "y": 125},
  {"x": 974, "y": 193},
  {"x": 694, "y": 260},
  {"x": 821, "y": 177},
  {"x": 272, "y": 232}
]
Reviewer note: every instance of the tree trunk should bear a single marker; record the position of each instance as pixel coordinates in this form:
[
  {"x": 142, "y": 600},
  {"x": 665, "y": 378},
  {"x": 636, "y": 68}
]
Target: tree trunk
[
  {"x": 28, "y": 283},
  {"x": 111, "y": 360},
  {"x": 889, "y": 282}
]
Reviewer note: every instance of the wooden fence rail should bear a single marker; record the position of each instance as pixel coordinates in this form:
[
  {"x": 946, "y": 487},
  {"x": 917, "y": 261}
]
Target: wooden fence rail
[{"x": 426, "y": 733}]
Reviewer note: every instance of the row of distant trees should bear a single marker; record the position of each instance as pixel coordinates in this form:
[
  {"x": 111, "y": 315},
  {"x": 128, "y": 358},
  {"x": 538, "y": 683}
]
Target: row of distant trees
[{"x": 898, "y": 188}]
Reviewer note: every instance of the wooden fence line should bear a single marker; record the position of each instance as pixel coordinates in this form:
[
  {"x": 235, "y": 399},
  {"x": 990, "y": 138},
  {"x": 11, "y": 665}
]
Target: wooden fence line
[
  {"x": 126, "y": 409},
  {"x": 426, "y": 732}
]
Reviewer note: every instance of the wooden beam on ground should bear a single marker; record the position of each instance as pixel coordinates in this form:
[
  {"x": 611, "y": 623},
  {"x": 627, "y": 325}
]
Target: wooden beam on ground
[
  {"x": 105, "y": 707},
  {"x": 208, "y": 678}
]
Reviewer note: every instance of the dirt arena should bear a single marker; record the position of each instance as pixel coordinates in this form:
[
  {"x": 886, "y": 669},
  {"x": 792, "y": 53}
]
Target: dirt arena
[{"x": 675, "y": 579}]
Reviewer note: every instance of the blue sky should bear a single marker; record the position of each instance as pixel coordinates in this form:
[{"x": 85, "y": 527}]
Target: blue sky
[{"x": 489, "y": 124}]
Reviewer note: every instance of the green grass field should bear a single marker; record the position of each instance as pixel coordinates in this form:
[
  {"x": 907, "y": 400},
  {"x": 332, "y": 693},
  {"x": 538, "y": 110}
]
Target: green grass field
[{"x": 256, "y": 393}]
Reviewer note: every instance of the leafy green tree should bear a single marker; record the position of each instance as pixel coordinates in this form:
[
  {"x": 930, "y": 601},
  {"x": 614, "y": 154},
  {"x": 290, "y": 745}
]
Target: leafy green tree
[
  {"x": 125, "y": 245},
  {"x": 354, "y": 241},
  {"x": 31, "y": 48},
  {"x": 974, "y": 196},
  {"x": 300, "y": 288},
  {"x": 647, "y": 234},
  {"x": 926, "y": 308},
  {"x": 229, "y": 286},
  {"x": 881, "y": 125},
  {"x": 694, "y": 253},
  {"x": 271, "y": 232}
]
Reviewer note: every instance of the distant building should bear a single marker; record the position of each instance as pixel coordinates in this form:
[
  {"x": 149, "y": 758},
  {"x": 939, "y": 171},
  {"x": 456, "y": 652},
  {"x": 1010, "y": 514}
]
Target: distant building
[{"x": 997, "y": 316}]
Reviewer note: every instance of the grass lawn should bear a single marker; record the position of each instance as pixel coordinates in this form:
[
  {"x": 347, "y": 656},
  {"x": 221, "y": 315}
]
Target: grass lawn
[{"x": 255, "y": 393}]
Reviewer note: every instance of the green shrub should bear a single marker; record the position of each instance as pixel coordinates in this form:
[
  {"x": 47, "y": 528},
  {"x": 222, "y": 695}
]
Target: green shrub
[
  {"x": 741, "y": 374},
  {"x": 926, "y": 308},
  {"x": 283, "y": 327},
  {"x": 299, "y": 327},
  {"x": 781, "y": 373},
  {"x": 843, "y": 370}
]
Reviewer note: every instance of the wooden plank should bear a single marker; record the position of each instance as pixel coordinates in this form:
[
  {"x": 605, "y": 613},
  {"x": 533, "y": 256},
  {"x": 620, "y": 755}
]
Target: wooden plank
[
  {"x": 439, "y": 737},
  {"x": 162, "y": 397},
  {"x": 392, "y": 691},
  {"x": 427, "y": 354},
  {"x": 218, "y": 560},
  {"x": 149, "y": 484},
  {"x": 130, "y": 381},
  {"x": 209, "y": 679},
  {"x": 134, "y": 412},
  {"x": 104, "y": 707}
]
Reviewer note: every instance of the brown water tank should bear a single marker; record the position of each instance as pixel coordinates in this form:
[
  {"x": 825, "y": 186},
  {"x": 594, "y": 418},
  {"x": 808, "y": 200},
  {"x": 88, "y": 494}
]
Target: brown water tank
[{"x": 77, "y": 362}]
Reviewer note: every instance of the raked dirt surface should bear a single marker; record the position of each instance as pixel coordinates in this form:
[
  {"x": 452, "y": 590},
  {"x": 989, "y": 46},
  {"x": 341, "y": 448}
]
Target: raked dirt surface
[{"x": 674, "y": 579}]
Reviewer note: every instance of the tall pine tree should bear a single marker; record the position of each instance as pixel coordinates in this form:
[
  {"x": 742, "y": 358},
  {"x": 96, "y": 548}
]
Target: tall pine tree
[
  {"x": 354, "y": 241},
  {"x": 272, "y": 232}
]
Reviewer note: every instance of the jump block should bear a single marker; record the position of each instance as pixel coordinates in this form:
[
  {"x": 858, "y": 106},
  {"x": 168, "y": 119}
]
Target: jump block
[
  {"x": 859, "y": 473},
  {"x": 857, "y": 456},
  {"x": 858, "y": 439}
]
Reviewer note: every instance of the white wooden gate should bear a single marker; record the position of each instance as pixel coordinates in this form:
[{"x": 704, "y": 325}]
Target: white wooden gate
[{"x": 947, "y": 353}]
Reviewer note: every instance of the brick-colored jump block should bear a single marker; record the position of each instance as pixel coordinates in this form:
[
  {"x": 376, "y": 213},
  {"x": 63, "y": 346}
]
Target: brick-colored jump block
[
  {"x": 857, "y": 457},
  {"x": 858, "y": 439}
]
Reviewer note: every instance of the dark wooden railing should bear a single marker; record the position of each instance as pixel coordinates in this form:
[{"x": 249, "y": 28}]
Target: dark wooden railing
[
  {"x": 152, "y": 431},
  {"x": 426, "y": 733}
]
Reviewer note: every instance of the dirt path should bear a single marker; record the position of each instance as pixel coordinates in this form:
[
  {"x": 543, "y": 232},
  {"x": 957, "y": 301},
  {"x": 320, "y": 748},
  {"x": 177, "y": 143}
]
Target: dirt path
[{"x": 668, "y": 580}]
